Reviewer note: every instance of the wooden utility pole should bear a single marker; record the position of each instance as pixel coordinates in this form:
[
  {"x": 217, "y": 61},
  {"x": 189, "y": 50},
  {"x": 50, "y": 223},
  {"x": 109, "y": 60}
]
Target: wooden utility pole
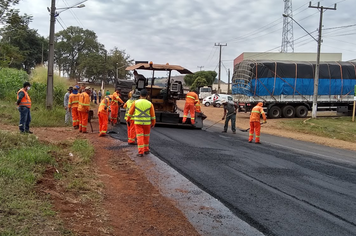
[
  {"x": 316, "y": 75},
  {"x": 220, "y": 45},
  {"x": 228, "y": 81}
]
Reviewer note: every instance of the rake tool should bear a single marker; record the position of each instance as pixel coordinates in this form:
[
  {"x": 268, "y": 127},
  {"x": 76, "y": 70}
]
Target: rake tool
[{"x": 217, "y": 122}]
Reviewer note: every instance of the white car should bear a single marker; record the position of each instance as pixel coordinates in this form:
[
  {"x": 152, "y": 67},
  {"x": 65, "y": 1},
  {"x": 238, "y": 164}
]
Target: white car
[
  {"x": 208, "y": 100},
  {"x": 217, "y": 102}
]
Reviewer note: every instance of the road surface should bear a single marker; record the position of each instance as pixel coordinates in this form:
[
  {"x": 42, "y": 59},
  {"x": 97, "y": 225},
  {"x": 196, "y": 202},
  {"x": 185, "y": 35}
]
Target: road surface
[{"x": 281, "y": 187}]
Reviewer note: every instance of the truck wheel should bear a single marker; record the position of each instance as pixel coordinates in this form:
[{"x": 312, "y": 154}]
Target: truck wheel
[
  {"x": 301, "y": 111},
  {"x": 207, "y": 104},
  {"x": 288, "y": 111},
  {"x": 274, "y": 112}
]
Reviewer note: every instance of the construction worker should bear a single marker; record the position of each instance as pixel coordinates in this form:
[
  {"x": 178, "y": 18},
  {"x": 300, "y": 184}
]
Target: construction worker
[
  {"x": 24, "y": 106},
  {"x": 83, "y": 109},
  {"x": 144, "y": 118},
  {"x": 230, "y": 108},
  {"x": 255, "y": 124},
  {"x": 198, "y": 107},
  {"x": 68, "y": 115},
  {"x": 103, "y": 114},
  {"x": 131, "y": 133},
  {"x": 73, "y": 104},
  {"x": 115, "y": 106},
  {"x": 190, "y": 101}
]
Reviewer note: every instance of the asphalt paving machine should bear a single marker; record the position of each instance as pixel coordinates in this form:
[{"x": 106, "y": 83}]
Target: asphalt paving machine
[{"x": 164, "y": 98}]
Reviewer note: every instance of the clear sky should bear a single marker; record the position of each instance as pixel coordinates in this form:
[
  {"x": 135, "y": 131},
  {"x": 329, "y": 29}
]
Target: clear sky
[{"x": 184, "y": 32}]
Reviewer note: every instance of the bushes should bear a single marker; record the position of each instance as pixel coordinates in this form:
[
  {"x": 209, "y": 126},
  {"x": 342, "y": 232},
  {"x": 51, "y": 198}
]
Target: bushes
[{"x": 11, "y": 80}]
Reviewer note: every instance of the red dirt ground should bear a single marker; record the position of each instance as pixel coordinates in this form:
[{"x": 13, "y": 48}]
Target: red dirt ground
[{"x": 129, "y": 203}]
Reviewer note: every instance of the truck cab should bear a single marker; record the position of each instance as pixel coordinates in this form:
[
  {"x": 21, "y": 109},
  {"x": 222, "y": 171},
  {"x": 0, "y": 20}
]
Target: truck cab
[{"x": 204, "y": 92}]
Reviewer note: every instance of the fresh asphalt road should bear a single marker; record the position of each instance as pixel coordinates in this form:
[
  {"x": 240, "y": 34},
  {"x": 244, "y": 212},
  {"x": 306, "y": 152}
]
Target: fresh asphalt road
[{"x": 281, "y": 187}]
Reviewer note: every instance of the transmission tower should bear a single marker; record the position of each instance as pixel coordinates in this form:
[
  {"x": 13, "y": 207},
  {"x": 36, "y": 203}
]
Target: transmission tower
[{"x": 287, "y": 34}]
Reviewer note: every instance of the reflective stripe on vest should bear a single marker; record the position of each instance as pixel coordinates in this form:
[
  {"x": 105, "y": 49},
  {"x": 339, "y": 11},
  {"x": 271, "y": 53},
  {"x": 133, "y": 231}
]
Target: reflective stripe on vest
[
  {"x": 142, "y": 112},
  {"x": 128, "y": 106},
  {"x": 26, "y": 100}
]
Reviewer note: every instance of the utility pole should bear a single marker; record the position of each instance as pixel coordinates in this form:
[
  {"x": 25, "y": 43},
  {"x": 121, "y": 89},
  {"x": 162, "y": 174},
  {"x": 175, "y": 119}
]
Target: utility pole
[
  {"x": 220, "y": 45},
  {"x": 316, "y": 76},
  {"x": 49, "y": 97},
  {"x": 228, "y": 81},
  {"x": 200, "y": 67}
]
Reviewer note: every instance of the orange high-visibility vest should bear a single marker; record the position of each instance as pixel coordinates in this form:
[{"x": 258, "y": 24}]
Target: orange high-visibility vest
[
  {"x": 104, "y": 104},
  {"x": 73, "y": 100},
  {"x": 26, "y": 100},
  {"x": 256, "y": 113},
  {"x": 116, "y": 99},
  {"x": 84, "y": 102},
  {"x": 192, "y": 98}
]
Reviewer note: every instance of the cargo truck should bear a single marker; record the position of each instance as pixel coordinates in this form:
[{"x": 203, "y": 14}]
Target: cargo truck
[{"x": 287, "y": 88}]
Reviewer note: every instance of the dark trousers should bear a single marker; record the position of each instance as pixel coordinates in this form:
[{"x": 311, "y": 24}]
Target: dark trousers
[
  {"x": 231, "y": 117},
  {"x": 25, "y": 119}
]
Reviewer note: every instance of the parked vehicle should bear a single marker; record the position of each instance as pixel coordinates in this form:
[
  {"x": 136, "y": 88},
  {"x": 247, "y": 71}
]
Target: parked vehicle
[
  {"x": 217, "y": 102},
  {"x": 207, "y": 101},
  {"x": 287, "y": 88},
  {"x": 204, "y": 92}
]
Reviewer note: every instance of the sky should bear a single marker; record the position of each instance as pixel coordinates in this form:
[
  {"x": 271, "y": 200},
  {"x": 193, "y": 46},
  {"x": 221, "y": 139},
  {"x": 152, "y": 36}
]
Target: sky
[{"x": 185, "y": 32}]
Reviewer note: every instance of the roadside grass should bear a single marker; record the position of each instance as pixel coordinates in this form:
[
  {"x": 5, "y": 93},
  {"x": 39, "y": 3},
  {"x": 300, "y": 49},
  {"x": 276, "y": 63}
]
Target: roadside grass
[
  {"x": 341, "y": 128},
  {"x": 41, "y": 117},
  {"x": 23, "y": 161}
]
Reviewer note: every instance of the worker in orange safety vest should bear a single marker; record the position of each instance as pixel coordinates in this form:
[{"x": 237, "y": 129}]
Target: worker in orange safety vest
[
  {"x": 103, "y": 114},
  {"x": 189, "y": 107},
  {"x": 255, "y": 125},
  {"x": 131, "y": 132},
  {"x": 198, "y": 107},
  {"x": 73, "y": 106},
  {"x": 83, "y": 109},
  {"x": 115, "y": 106},
  {"x": 24, "y": 106},
  {"x": 144, "y": 118}
]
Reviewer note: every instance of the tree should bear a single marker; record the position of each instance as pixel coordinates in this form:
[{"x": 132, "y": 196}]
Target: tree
[
  {"x": 209, "y": 76},
  {"x": 117, "y": 61},
  {"x": 199, "y": 82},
  {"x": 72, "y": 47},
  {"x": 6, "y": 10},
  {"x": 22, "y": 44}
]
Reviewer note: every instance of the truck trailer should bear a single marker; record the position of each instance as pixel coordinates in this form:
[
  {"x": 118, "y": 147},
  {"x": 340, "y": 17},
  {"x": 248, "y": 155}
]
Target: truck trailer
[{"x": 287, "y": 88}]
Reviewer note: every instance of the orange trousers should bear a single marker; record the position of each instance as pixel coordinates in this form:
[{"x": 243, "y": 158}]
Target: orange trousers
[
  {"x": 143, "y": 137},
  {"x": 83, "y": 121},
  {"x": 103, "y": 123},
  {"x": 114, "y": 113},
  {"x": 131, "y": 132},
  {"x": 189, "y": 107},
  {"x": 255, "y": 126},
  {"x": 75, "y": 116}
]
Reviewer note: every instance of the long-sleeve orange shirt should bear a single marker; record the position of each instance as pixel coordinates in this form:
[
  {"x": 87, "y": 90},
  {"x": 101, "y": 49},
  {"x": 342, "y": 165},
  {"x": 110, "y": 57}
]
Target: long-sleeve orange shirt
[
  {"x": 192, "y": 98},
  {"x": 84, "y": 102},
  {"x": 256, "y": 114}
]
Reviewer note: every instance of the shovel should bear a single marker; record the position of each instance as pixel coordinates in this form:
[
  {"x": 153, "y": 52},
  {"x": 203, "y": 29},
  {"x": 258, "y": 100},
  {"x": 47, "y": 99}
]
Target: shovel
[{"x": 245, "y": 130}]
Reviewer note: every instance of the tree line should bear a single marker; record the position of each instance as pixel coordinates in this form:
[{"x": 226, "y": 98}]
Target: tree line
[{"x": 78, "y": 53}]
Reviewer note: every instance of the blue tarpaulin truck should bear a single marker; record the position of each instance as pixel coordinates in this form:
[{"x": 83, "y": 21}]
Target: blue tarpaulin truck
[{"x": 287, "y": 88}]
